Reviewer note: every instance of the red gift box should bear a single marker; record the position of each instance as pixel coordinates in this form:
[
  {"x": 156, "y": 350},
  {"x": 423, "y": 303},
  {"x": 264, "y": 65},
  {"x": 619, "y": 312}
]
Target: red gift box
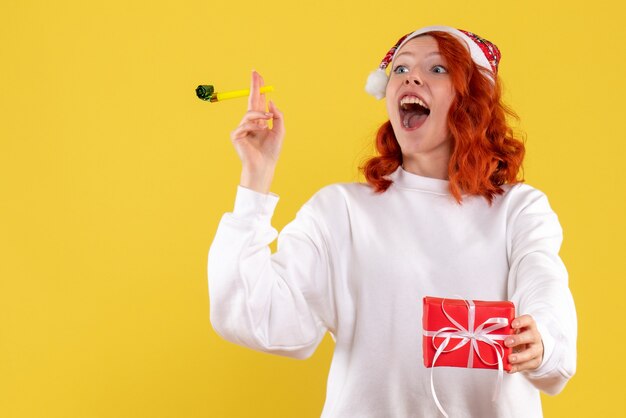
[{"x": 466, "y": 333}]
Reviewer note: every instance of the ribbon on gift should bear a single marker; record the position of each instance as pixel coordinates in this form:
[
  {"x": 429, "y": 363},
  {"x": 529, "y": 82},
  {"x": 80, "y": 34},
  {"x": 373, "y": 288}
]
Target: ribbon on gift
[{"x": 472, "y": 335}]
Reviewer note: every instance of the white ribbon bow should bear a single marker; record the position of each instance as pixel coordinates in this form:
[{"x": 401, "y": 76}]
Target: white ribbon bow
[{"x": 472, "y": 336}]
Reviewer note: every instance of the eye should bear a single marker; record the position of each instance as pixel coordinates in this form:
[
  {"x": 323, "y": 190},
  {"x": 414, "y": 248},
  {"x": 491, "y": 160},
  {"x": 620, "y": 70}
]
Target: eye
[
  {"x": 400, "y": 69},
  {"x": 439, "y": 69}
]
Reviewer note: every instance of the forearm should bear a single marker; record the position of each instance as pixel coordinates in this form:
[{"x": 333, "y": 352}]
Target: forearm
[
  {"x": 259, "y": 180},
  {"x": 543, "y": 293},
  {"x": 257, "y": 301}
]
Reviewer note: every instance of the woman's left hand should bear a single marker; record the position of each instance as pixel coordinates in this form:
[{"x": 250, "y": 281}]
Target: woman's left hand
[{"x": 526, "y": 343}]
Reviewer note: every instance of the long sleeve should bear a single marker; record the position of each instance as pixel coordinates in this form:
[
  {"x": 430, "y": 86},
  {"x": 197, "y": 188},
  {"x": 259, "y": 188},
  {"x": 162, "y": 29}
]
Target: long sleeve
[
  {"x": 278, "y": 303},
  {"x": 357, "y": 263},
  {"x": 538, "y": 284}
]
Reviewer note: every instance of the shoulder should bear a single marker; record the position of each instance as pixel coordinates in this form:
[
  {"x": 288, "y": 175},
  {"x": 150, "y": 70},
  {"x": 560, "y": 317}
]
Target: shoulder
[
  {"x": 522, "y": 197},
  {"x": 327, "y": 216},
  {"x": 336, "y": 196},
  {"x": 337, "y": 204},
  {"x": 528, "y": 209}
]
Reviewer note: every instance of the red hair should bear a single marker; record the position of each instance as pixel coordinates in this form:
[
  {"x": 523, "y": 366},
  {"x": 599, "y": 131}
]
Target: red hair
[{"x": 485, "y": 154}]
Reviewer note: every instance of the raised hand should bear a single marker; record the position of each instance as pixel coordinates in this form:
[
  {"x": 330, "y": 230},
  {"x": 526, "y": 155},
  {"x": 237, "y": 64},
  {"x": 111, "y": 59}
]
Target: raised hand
[{"x": 257, "y": 143}]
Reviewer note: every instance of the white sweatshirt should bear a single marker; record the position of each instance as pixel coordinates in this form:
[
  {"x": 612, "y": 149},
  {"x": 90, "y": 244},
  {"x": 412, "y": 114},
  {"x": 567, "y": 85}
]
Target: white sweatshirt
[{"x": 357, "y": 264}]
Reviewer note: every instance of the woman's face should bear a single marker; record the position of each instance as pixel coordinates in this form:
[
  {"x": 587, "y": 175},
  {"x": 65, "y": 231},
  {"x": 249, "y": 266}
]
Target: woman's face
[{"x": 419, "y": 94}]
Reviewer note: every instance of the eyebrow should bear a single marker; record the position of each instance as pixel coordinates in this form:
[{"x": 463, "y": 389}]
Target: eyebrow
[{"x": 409, "y": 53}]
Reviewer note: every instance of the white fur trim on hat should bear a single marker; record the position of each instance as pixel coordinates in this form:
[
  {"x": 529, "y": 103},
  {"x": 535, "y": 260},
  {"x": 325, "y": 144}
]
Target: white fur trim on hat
[{"x": 377, "y": 83}]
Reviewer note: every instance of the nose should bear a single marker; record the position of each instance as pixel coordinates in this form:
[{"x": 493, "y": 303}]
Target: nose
[{"x": 413, "y": 79}]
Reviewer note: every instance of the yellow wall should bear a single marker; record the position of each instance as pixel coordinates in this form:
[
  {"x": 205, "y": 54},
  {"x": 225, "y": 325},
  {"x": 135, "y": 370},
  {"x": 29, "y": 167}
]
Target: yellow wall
[{"x": 114, "y": 176}]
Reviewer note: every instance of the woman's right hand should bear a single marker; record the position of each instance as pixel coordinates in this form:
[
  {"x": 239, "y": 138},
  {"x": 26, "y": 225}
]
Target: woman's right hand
[{"x": 258, "y": 145}]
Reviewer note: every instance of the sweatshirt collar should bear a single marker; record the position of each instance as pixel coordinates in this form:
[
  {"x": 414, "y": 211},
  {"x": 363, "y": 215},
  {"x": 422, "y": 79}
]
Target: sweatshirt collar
[{"x": 406, "y": 180}]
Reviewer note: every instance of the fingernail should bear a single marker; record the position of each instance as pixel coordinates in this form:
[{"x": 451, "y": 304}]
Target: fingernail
[
  {"x": 512, "y": 359},
  {"x": 509, "y": 341},
  {"x": 515, "y": 324},
  {"x": 268, "y": 114}
]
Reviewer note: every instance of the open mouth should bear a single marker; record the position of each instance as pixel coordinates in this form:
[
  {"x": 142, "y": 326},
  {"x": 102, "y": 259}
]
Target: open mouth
[{"x": 413, "y": 112}]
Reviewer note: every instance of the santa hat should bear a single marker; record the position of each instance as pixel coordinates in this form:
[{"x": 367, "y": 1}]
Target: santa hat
[{"x": 484, "y": 53}]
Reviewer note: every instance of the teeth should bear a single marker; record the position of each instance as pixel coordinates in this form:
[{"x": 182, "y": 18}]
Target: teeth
[{"x": 412, "y": 99}]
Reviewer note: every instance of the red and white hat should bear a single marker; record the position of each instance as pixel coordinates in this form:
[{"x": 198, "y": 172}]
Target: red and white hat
[{"x": 483, "y": 52}]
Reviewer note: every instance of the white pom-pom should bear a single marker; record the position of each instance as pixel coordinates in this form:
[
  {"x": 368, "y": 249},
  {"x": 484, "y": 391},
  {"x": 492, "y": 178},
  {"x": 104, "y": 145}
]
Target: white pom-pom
[{"x": 377, "y": 83}]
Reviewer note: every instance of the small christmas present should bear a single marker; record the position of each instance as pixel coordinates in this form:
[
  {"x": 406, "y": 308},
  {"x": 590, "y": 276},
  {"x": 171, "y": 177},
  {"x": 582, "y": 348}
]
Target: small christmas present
[{"x": 466, "y": 333}]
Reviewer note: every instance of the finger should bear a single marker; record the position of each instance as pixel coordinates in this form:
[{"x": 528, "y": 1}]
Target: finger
[
  {"x": 524, "y": 321},
  {"x": 261, "y": 100},
  {"x": 244, "y": 130},
  {"x": 525, "y": 337},
  {"x": 532, "y": 352},
  {"x": 255, "y": 116},
  {"x": 277, "y": 119},
  {"x": 528, "y": 365},
  {"x": 253, "y": 99}
]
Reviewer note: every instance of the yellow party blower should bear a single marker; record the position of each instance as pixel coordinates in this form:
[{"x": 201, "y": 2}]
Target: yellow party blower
[{"x": 208, "y": 93}]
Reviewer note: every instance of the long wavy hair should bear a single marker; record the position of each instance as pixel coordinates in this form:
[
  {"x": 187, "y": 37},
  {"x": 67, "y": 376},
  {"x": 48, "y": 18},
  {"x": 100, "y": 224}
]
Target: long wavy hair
[{"x": 485, "y": 154}]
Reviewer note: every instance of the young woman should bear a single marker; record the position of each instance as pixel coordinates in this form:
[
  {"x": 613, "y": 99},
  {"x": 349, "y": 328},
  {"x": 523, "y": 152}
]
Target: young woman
[{"x": 442, "y": 214}]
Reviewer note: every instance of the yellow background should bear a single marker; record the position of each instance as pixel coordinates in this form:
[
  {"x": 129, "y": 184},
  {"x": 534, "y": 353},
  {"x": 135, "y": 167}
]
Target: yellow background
[{"x": 114, "y": 176}]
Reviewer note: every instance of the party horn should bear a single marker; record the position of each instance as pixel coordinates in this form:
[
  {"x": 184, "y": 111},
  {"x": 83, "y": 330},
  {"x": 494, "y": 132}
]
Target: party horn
[{"x": 208, "y": 93}]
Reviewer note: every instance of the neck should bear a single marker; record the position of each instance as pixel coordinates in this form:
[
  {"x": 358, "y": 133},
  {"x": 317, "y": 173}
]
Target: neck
[{"x": 426, "y": 166}]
